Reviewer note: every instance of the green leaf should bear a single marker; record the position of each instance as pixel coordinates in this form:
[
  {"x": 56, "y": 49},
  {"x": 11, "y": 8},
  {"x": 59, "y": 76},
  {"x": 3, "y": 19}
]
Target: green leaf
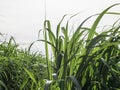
[
  {"x": 95, "y": 24},
  {"x": 24, "y": 83},
  {"x": 78, "y": 87},
  {"x": 31, "y": 75},
  {"x": 2, "y": 84}
]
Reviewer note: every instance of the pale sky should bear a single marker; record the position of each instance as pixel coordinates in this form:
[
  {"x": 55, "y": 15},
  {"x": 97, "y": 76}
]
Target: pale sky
[{"x": 24, "y": 18}]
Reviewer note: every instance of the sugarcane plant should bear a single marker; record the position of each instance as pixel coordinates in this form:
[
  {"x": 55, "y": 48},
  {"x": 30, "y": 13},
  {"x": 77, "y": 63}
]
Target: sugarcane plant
[{"x": 85, "y": 60}]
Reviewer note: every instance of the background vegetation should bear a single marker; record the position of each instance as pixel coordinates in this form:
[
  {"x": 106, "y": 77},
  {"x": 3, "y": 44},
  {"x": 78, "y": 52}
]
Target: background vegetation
[{"x": 20, "y": 69}]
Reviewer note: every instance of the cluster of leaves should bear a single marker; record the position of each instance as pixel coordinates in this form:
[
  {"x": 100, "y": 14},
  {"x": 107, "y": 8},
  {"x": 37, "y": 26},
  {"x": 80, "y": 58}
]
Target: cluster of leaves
[
  {"x": 20, "y": 69},
  {"x": 86, "y": 60}
]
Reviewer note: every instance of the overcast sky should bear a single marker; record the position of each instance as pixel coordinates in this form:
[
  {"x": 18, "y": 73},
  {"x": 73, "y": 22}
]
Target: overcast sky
[{"x": 24, "y": 18}]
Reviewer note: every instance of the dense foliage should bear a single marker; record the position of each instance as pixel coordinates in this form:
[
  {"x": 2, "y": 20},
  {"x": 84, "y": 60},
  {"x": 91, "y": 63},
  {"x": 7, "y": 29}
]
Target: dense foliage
[
  {"x": 83, "y": 60},
  {"x": 20, "y": 69}
]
